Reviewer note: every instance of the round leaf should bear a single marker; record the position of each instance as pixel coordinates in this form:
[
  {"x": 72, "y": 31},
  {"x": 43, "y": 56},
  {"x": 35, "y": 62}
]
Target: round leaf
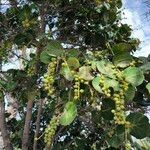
[
  {"x": 107, "y": 106},
  {"x": 108, "y": 82},
  {"x": 140, "y": 125},
  {"x": 122, "y": 60},
  {"x": 130, "y": 93},
  {"x": 44, "y": 57},
  {"x": 73, "y": 63},
  {"x": 84, "y": 72},
  {"x": 105, "y": 67},
  {"x": 54, "y": 48},
  {"x": 69, "y": 114},
  {"x": 66, "y": 72},
  {"x": 133, "y": 75},
  {"x": 95, "y": 83}
]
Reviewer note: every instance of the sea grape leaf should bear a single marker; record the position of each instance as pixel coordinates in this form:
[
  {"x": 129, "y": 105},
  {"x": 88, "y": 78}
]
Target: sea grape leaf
[
  {"x": 148, "y": 87},
  {"x": 44, "y": 57},
  {"x": 69, "y": 114},
  {"x": 84, "y": 72},
  {"x": 53, "y": 48},
  {"x": 107, "y": 106},
  {"x": 106, "y": 68},
  {"x": 108, "y": 82},
  {"x": 122, "y": 60},
  {"x": 130, "y": 93},
  {"x": 66, "y": 72},
  {"x": 140, "y": 125},
  {"x": 73, "y": 63},
  {"x": 95, "y": 83},
  {"x": 133, "y": 75}
]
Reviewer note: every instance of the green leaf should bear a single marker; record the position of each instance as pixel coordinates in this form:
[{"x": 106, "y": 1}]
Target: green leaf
[
  {"x": 54, "y": 48},
  {"x": 95, "y": 83},
  {"x": 130, "y": 93},
  {"x": 116, "y": 140},
  {"x": 108, "y": 82},
  {"x": 73, "y": 53},
  {"x": 121, "y": 48},
  {"x": 11, "y": 86},
  {"x": 93, "y": 65},
  {"x": 84, "y": 72},
  {"x": 44, "y": 57},
  {"x": 118, "y": 137},
  {"x": 140, "y": 125},
  {"x": 107, "y": 106},
  {"x": 69, "y": 114},
  {"x": 73, "y": 63},
  {"x": 133, "y": 75},
  {"x": 148, "y": 87},
  {"x": 145, "y": 67},
  {"x": 122, "y": 60},
  {"x": 66, "y": 72},
  {"x": 106, "y": 68}
]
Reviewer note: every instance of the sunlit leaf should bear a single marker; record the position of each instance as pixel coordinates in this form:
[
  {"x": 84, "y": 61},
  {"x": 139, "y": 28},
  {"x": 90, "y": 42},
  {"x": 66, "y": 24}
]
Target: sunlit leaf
[
  {"x": 133, "y": 75},
  {"x": 95, "y": 83},
  {"x": 108, "y": 82},
  {"x": 69, "y": 114},
  {"x": 106, "y": 68},
  {"x": 73, "y": 63},
  {"x": 84, "y": 72},
  {"x": 66, "y": 72}
]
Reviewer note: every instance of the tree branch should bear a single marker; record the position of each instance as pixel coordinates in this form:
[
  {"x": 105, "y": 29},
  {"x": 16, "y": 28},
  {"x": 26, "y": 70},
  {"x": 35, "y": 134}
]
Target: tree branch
[
  {"x": 30, "y": 102},
  {"x": 27, "y": 125},
  {"x": 3, "y": 128},
  {"x": 40, "y": 109}
]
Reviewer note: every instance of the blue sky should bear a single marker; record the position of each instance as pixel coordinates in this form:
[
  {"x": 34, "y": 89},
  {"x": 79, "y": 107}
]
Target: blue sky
[{"x": 134, "y": 14}]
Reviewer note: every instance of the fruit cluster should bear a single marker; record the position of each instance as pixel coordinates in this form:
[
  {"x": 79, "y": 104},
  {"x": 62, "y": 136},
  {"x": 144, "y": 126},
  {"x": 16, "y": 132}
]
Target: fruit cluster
[
  {"x": 128, "y": 146},
  {"x": 48, "y": 79},
  {"x": 105, "y": 90},
  {"x": 31, "y": 71},
  {"x": 98, "y": 54},
  {"x": 118, "y": 97},
  {"x": 26, "y": 23},
  {"x": 133, "y": 63},
  {"x": 119, "y": 115},
  {"x": 77, "y": 84},
  {"x": 51, "y": 130}
]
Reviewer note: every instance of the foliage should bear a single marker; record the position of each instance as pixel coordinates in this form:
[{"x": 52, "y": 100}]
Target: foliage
[{"x": 85, "y": 88}]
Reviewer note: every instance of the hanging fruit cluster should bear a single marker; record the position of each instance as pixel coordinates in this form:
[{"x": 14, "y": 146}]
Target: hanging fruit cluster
[
  {"x": 77, "y": 89},
  {"x": 119, "y": 99},
  {"x": 48, "y": 79},
  {"x": 31, "y": 70},
  {"x": 105, "y": 90},
  {"x": 50, "y": 130}
]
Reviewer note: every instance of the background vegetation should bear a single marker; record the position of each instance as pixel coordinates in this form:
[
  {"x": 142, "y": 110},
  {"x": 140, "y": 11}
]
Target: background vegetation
[{"x": 80, "y": 87}]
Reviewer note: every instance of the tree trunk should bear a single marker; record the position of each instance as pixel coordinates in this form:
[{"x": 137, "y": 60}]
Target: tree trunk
[
  {"x": 3, "y": 128},
  {"x": 38, "y": 123},
  {"x": 26, "y": 130}
]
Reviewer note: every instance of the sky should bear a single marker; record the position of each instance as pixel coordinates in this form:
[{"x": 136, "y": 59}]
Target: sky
[{"x": 135, "y": 15}]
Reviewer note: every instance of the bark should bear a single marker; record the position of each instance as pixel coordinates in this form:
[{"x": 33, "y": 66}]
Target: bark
[
  {"x": 25, "y": 138},
  {"x": 40, "y": 109},
  {"x": 3, "y": 128},
  {"x": 30, "y": 102}
]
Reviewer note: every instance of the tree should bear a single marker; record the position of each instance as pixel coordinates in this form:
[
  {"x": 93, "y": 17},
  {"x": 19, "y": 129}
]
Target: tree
[{"x": 80, "y": 87}]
